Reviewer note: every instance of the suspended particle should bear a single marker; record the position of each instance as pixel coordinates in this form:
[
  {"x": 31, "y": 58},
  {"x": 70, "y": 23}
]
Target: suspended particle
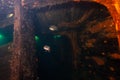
[
  {"x": 103, "y": 53},
  {"x": 105, "y": 41}
]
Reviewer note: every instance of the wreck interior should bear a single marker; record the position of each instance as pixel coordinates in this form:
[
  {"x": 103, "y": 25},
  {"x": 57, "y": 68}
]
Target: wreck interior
[{"x": 74, "y": 41}]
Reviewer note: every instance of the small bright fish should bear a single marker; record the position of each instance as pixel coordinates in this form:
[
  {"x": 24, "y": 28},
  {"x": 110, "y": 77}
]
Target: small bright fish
[
  {"x": 46, "y": 48},
  {"x": 10, "y": 15}
]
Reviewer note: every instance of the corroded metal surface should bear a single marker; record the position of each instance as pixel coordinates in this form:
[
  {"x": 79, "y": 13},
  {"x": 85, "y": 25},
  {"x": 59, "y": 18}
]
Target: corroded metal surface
[
  {"x": 23, "y": 53},
  {"x": 112, "y": 5}
]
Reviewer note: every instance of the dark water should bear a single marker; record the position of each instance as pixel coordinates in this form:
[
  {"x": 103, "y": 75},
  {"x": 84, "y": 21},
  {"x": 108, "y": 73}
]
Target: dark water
[{"x": 56, "y": 64}]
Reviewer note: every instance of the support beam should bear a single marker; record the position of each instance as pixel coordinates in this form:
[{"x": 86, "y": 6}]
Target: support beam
[
  {"x": 23, "y": 65},
  {"x": 114, "y": 8}
]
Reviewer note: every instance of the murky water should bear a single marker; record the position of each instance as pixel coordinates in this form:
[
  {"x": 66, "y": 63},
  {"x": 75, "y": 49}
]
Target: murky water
[{"x": 74, "y": 41}]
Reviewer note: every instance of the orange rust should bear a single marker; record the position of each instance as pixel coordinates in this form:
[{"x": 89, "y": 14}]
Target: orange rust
[
  {"x": 115, "y": 56},
  {"x": 76, "y": 0},
  {"x": 111, "y": 78},
  {"x": 98, "y": 60},
  {"x": 114, "y": 8},
  {"x": 112, "y": 68}
]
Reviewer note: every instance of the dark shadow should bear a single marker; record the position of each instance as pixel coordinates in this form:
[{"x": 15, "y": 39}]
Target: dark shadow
[{"x": 55, "y": 64}]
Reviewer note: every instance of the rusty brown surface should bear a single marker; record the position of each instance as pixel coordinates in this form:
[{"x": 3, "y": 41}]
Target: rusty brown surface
[
  {"x": 112, "y": 5},
  {"x": 114, "y": 8},
  {"x": 22, "y": 60}
]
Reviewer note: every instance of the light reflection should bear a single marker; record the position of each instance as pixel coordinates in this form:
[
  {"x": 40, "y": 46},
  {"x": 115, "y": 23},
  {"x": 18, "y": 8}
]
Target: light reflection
[
  {"x": 1, "y": 36},
  {"x": 57, "y": 36},
  {"x": 36, "y": 38}
]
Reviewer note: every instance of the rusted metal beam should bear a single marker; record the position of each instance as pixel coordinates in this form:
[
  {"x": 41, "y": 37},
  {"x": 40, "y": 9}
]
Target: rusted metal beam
[
  {"x": 15, "y": 60},
  {"x": 23, "y": 51},
  {"x": 113, "y": 7}
]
